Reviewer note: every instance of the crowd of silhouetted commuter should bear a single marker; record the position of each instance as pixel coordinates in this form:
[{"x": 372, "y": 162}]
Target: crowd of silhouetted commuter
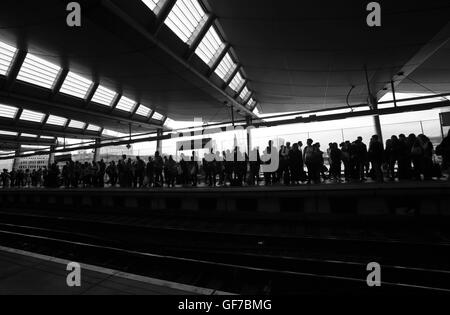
[{"x": 400, "y": 158}]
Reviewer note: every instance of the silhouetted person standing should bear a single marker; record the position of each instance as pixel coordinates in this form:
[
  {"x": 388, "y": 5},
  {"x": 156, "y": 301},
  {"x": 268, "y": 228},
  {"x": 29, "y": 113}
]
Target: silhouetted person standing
[
  {"x": 194, "y": 170},
  {"x": 444, "y": 150},
  {"x": 158, "y": 166},
  {"x": 360, "y": 156},
  {"x": 308, "y": 159},
  {"x": 295, "y": 164},
  {"x": 140, "y": 171},
  {"x": 335, "y": 162},
  {"x": 375, "y": 156},
  {"x": 404, "y": 158},
  {"x": 111, "y": 171},
  {"x": 255, "y": 166}
]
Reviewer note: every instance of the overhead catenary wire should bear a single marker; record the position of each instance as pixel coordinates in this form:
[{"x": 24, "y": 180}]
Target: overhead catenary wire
[
  {"x": 426, "y": 88},
  {"x": 115, "y": 141},
  {"x": 348, "y": 97}
]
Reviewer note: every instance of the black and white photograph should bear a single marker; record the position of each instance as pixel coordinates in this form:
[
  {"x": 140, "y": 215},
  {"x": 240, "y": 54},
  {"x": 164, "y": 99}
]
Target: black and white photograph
[{"x": 225, "y": 155}]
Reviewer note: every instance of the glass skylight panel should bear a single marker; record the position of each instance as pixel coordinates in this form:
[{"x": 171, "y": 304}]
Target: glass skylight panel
[
  {"x": 8, "y": 133},
  {"x": 32, "y": 116},
  {"x": 8, "y": 111},
  {"x": 144, "y": 111},
  {"x": 152, "y": 4},
  {"x": 104, "y": 96},
  {"x": 126, "y": 104},
  {"x": 245, "y": 94},
  {"x": 28, "y": 135},
  {"x": 184, "y": 18},
  {"x": 7, "y": 54},
  {"x": 210, "y": 46},
  {"x": 225, "y": 67},
  {"x": 76, "y": 124},
  {"x": 93, "y": 128},
  {"x": 112, "y": 133},
  {"x": 169, "y": 123},
  {"x": 251, "y": 102},
  {"x": 76, "y": 85},
  {"x": 37, "y": 71},
  {"x": 256, "y": 111},
  {"x": 237, "y": 82},
  {"x": 47, "y": 137},
  {"x": 157, "y": 116},
  {"x": 56, "y": 121}
]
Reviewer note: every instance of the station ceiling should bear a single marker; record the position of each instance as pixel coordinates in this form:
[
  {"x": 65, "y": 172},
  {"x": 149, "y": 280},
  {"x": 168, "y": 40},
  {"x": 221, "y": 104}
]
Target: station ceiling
[{"x": 280, "y": 56}]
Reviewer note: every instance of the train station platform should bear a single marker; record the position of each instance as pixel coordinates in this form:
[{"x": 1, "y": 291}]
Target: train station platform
[
  {"x": 26, "y": 273},
  {"x": 427, "y": 198}
]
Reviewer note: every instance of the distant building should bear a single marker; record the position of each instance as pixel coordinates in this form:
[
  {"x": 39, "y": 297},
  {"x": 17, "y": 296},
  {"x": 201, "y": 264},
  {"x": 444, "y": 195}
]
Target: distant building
[
  {"x": 6, "y": 164},
  {"x": 83, "y": 156},
  {"x": 33, "y": 162}
]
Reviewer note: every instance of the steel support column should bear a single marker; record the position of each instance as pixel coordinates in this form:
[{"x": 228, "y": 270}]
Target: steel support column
[
  {"x": 249, "y": 135},
  {"x": 51, "y": 155},
  {"x": 378, "y": 130},
  {"x": 159, "y": 134},
  {"x": 97, "y": 149},
  {"x": 16, "y": 161}
]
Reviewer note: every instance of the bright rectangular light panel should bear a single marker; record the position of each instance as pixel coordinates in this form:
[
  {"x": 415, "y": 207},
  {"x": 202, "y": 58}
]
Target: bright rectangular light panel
[
  {"x": 144, "y": 111},
  {"x": 112, "y": 133},
  {"x": 76, "y": 85},
  {"x": 8, "y": 111},
  {"x": 251, "y": 103},
  {"x": 56, "y": 121},
  {"x": 225, "y": 67},
  {"x": 37, "y": 71},
  {"x": 47, "y": 137},
  {"x": 29, "y": 115},
  {"x": 126, "y": 104},
  {"x": 7, "y": 54},
  {"x": 103, "y": 96},
  {"x": 76, "y": 124},
  {"x": 184, "y": 18},
  {"x": 210, "y": 46},
  {"x": 244, "y": 94},
  {"x": 169, "y": 122},
  {"x": 152, "y": 4},
  {"x": 157, "y": 116},
  {"x": 237, "y": 82},
  {"x": 8, "y": 133},
  {"x": 28, "y": 135},
  {"x": 93, "y": 128}
]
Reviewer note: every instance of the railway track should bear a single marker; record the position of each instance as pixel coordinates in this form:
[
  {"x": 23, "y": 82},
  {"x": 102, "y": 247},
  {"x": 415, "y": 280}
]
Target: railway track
[
  {"x": 188, "y": 235},
  {"x": 245, "y": 264}
]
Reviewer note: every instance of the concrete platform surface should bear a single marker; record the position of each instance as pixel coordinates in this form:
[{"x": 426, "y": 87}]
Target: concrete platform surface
[{"x": 25, "y": 273}]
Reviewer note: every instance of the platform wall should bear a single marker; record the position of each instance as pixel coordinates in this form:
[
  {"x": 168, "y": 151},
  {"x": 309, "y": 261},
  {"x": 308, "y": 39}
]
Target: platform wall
[{"x": 370, "y": 199}]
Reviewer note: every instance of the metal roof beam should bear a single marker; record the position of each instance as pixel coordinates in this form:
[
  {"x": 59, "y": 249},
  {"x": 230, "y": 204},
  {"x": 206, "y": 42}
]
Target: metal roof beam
[
  {"x": 179, "y": 59},
  {"x": 22, "y": 127},
  {"x": 428, "y": 50},
  {"x": 219, "y": 59},
  {"x": 59, "y": 82},
  {"x": 26, "y": 141},
  {"x": 33, "y": 103},
  {"x": 162, "y": 15},
  {"x": 198, "y": 39},
  {"x": 15, "y": 69}
]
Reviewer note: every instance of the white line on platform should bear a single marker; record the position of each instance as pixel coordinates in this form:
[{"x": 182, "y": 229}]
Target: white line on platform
[{"x": 120, "y": 274}]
